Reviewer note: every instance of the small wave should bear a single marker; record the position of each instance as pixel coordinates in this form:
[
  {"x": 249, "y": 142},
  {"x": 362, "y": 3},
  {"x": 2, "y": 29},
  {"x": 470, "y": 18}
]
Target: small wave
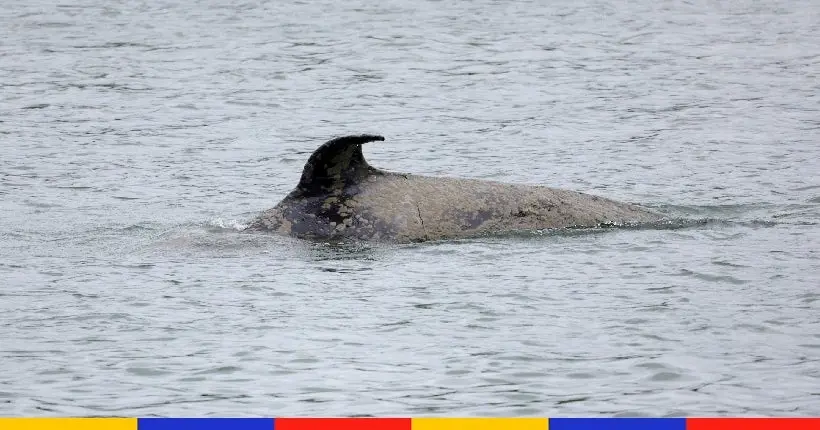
[
  {"x": 684, "y": 223},
  {"x": 222, "y": 224},
  {"x": 717, "y": 210},
  {"x": 664, "y": 224}
]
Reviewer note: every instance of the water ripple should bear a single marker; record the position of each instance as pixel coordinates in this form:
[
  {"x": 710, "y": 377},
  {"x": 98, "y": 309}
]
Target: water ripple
[{"x": 139, "y": 138}]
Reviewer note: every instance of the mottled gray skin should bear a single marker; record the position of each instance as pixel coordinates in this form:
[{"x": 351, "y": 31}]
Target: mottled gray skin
[{"x": 340, "y": 196}]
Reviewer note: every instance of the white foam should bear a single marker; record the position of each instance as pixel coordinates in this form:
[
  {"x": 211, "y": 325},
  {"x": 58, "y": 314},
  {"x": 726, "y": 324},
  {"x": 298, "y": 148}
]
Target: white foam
[{"x": 232, "y": 224}]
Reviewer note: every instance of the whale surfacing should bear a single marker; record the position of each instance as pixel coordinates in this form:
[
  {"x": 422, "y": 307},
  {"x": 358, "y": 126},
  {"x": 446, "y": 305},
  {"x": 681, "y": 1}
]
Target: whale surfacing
[{"x": 340, "y": 196}]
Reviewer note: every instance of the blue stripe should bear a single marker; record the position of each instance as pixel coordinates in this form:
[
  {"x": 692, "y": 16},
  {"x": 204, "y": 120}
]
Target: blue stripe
[
  {"x": 205, "y": 424},
  {"x": 617, "y": 424}
]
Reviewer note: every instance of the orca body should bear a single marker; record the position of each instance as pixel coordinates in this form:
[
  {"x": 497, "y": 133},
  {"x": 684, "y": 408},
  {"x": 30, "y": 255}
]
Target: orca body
[{"x": 341, "y": 197}]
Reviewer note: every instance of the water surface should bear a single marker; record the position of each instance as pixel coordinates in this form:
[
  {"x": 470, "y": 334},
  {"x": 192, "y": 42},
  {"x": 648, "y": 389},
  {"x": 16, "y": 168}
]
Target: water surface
[{"x": 138, "y": 138}]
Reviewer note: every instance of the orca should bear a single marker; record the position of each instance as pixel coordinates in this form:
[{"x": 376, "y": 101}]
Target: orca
[{"x": 342, "y": 197}]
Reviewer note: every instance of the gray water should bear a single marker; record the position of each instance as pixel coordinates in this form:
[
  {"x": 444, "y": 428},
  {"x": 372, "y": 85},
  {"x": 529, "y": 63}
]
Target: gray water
[{"x": 138, "y": 138}]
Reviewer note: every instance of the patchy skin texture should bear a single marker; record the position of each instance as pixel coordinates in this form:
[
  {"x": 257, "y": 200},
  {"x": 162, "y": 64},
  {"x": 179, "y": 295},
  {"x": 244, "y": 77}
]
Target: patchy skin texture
[{"x": 341, "y": 197}]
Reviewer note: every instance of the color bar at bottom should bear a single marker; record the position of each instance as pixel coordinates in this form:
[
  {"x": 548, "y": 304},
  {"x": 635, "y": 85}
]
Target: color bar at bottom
[
  {"x": 68, "y": 423},
  {"x": 479, "y": 423},
  {"x": 204, "y": 424},
  {"x": 342, "y": 423},
  {"x": 753, "y": 423},
  {"x": 410, "y": 423},
  {"x": 617, "y": 424}
]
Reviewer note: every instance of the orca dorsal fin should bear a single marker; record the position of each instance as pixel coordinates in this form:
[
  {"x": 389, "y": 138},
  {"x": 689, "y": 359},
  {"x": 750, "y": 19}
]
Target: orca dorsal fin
[{"x": 336, "y": 164}]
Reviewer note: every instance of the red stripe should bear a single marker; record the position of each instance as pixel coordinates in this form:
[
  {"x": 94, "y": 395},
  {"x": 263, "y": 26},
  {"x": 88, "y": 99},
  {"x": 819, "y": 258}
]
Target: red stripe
[
  {"x": 753, "y": 424},
  {"x": 342, "y": 424}
]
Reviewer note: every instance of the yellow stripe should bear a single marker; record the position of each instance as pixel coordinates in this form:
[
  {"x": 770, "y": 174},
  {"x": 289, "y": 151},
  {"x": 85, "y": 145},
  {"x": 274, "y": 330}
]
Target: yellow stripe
[
  {"x": 68, "y": 424},
  {"x": 480, "y": 424}
]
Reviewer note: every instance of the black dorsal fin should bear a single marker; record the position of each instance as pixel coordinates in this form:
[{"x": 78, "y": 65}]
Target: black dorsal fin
[{"x": 336, "y": 164}]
